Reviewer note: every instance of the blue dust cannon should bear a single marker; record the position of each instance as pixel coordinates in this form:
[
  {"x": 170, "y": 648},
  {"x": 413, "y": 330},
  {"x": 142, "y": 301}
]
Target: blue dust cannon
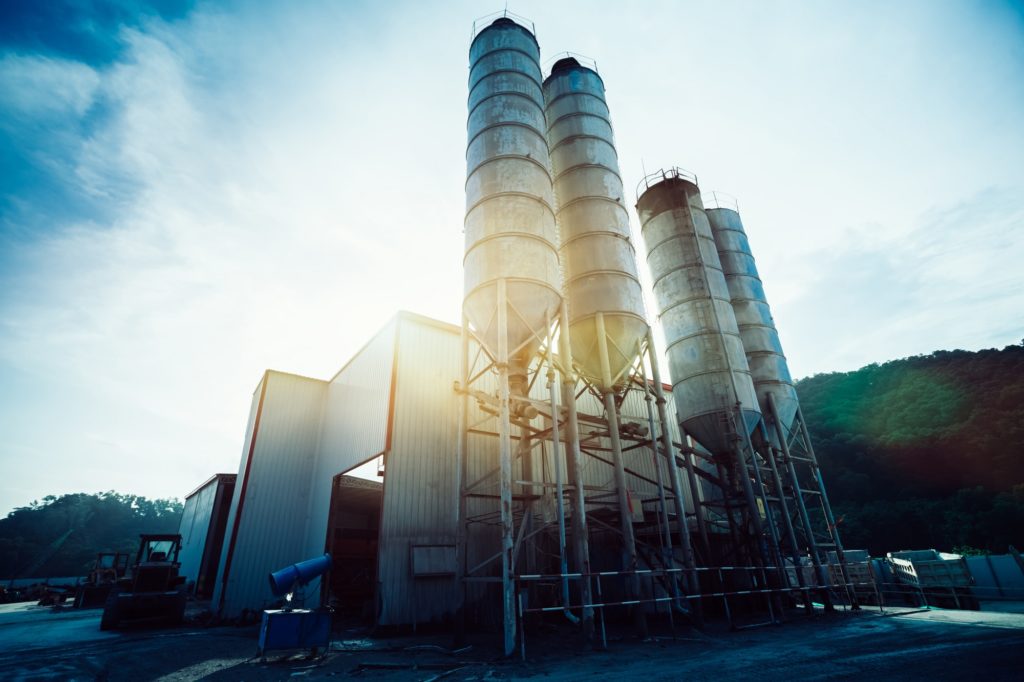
[{"x": 285, "y": 580}]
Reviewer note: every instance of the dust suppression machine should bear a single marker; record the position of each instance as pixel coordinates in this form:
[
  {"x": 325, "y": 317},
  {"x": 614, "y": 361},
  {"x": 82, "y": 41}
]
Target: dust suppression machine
[{"x": 296, "y": 628}]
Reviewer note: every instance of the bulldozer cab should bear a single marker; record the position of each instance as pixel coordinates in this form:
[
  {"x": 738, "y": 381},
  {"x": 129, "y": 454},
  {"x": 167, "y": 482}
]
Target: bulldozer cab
[
  {"x": 109, "y": 567},
  {"x": 158, "y": 549},
  {"x": 112, "y": 561},
  {"x": 152, "y": 589}
]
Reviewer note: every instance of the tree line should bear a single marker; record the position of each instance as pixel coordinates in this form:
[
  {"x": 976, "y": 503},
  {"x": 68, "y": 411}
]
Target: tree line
[
  {"x": 60, "y": 536},
  {"x": 924, "y": 452}
]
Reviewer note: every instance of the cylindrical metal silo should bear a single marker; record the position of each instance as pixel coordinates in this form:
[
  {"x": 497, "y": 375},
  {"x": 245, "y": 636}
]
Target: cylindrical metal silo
[
  {"x": 768, "y": 366},
  {"x": 709, "y": 372},
  {"x": 601, "y": 285},
  {"x": 511, "y": 237}
]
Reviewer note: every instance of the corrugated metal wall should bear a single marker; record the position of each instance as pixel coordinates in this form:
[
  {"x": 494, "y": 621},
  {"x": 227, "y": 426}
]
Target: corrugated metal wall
[
  {"x": 270, "y": 528},
  {"x": 247, "y": 445},
  {"x": 310, "y": 431},
  {"x": 420, "y": 499},
  {"x": 194, "y": 526},
  {"x": 419, "y": 490},
  {"x": 355, "y": 426}
]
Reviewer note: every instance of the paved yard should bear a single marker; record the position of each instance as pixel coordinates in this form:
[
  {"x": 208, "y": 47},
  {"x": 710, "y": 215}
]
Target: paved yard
[{"x": 42, "y": 644}]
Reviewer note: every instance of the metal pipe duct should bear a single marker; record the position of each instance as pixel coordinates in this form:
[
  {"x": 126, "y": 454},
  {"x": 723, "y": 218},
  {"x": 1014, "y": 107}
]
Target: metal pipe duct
[
  {"x": 768, "y": 366},
  {"x": 596, "y": 252},
  {"x": 706, "y": 360},
  {"x": 510, "y": 221}
]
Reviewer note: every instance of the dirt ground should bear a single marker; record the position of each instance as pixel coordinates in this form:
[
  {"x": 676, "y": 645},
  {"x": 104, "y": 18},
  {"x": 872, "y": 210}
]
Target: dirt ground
[{"x": 40, "y": 643}]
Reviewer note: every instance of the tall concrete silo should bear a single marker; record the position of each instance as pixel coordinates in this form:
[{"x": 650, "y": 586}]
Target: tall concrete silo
[
  {"x": 607, "y": 320},
  {"x": 511, "y": 256},
  {"x": 607, "y": 323},
  {"x": 711, "y": 383},
  {"x": 776, "y": 395},
  {"x": 711, "y": 380},
  {"x": 512, "y": 305},
  {"x": 757, "y": 330}
]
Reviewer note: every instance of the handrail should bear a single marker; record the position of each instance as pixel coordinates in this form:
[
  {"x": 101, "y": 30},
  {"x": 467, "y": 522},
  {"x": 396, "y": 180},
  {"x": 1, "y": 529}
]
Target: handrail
[
  {"x": 585, "y": 61},
  {"x": 664, "y": 174},
  {"x": 480, "y": 23},
  {"x": 714, "y": 199}
]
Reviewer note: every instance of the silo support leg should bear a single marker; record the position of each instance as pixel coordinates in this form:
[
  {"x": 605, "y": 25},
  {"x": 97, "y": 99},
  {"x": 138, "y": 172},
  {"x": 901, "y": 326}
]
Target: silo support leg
[
  {"x": 827, "y": 508},
  {"x": 625, "y": 513},
  {"x": 787, "y": 522},
  {"x": 460, "y": 483},
  {"x": 581, "y": 541},
  {"x": 505, "y": 464},
  {"x": 805, "y": 519}
]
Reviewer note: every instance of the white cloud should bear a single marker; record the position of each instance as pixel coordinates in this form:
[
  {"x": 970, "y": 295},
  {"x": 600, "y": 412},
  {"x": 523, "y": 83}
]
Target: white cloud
[
  {"x": 37, "y": 86},
  {"x": 282, "y": 179},
  {"x": 953, "y": 281}
]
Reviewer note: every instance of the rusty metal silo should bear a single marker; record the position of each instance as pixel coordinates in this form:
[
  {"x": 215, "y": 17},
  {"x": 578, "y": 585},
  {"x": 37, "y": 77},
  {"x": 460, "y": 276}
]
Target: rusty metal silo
[
  {"x": 711, "y": 381},
  {"x": 511, "y": 252},
  {"x": 606, "y": 309},
  {"x": 768, "y": 366}
]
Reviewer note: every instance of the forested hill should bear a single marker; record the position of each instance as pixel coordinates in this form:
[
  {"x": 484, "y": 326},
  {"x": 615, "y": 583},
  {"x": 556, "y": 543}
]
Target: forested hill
[
  {"x": 924, "y": 452},
  {"x": 61, "y": 536},
  {"x": 917, "y": 453}
]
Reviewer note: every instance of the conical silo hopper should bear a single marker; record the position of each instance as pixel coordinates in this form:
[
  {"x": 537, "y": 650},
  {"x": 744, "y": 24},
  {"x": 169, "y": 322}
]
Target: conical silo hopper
[
  {"x": 768, "y": 366},
  {"x": 707, "y": 365},
  {"x": 601, "y": 285},
  {"x": 511, "y": 238}
]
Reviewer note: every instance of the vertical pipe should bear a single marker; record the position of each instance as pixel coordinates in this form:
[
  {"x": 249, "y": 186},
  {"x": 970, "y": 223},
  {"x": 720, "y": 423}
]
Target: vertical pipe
[
  {"x": 563, "y": 564},
  {"x": 829, "y": 518},
  {"x": 659, "y": 477},
  {"x": 625, "y": 517},
  {"x": 526, "y": 490},
  {"x": 581, "y": 543},
  {"x": 461, "y": 467},
  {"x": 505, "y": 464}
]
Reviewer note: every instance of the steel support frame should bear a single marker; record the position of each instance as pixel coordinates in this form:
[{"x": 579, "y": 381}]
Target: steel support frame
[{"x": 514, "y": 511}]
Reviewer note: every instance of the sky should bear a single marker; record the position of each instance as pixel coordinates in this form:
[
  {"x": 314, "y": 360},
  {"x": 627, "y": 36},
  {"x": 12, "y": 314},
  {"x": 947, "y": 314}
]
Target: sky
[{"x": 193, "y": 192}]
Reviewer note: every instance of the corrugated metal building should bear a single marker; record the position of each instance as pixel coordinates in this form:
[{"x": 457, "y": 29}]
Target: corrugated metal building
[
  {"x": 393, "y": 400},
  {"x": 203, "y": 522}
]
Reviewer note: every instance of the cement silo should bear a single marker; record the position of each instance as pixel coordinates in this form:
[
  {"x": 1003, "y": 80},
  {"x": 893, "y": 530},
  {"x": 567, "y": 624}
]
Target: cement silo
[
  {"x": 607, "y": 324},
  {"x": 601, "y": 284},
  {"x": 512, "y": 282},
  {"x": 776, "y": 395},
  {"x": 511, "y": 256},
  {"x": 711, "y": 383},
  {"x": 710, "y": 377},
  {"x": 760, "y": 339}
]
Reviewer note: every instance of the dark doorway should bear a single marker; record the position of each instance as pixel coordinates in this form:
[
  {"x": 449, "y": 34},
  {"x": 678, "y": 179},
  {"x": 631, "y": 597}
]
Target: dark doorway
[
  {"x": 352, "y": 534},
  {"x": 215, "y": 536}
]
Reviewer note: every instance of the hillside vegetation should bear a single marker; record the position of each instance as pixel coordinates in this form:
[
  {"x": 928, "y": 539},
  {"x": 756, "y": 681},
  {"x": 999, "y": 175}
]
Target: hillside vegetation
[
  {"x": 60, "y": 536},
  {"x": 924, "y": 452},
  {"x": 916, "y": 453}
]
